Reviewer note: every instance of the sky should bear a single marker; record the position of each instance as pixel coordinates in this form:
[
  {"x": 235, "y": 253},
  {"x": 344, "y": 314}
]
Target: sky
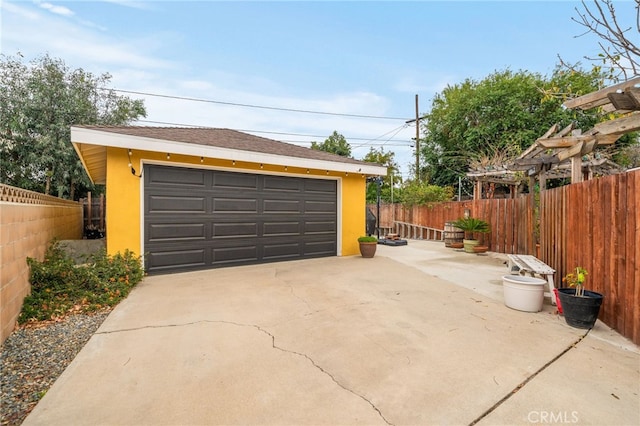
[{"x": 296, "y": 71}]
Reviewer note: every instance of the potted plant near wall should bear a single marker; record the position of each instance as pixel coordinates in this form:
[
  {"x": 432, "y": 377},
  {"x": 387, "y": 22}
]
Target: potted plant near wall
[
  {"x": 368, "y": 245},
  {"x": 471, "y": 226},
  {"x": 580, "y": 306}
]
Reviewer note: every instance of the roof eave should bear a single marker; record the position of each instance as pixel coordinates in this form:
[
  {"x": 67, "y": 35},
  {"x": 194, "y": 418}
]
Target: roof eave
[{"x": 81, "y": 136}]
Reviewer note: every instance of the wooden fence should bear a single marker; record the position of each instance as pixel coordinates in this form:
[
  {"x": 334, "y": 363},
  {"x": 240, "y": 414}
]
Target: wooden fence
[
  {"x": 511, "y": 220},
  {"x": 596, "y": 225},
  {"x": 94, "y": 213},
  {"x": 593, "y": 224}
]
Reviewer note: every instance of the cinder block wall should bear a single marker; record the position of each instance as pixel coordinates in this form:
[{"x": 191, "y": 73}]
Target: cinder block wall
[{"x": 25, "y": 231}]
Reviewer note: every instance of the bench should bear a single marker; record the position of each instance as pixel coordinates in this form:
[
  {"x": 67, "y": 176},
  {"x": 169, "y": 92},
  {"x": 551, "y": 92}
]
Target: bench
[{"x": 521, "y": 264}]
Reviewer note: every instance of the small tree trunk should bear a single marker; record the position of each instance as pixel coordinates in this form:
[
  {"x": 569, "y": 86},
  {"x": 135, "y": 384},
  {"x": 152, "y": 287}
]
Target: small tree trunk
[{"x": 47, "y": 186}]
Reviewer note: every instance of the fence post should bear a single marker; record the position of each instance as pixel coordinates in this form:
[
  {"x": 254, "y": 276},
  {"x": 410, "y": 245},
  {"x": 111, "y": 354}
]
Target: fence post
[
  {"x": 89, "y": 220},
  {"x": 102, "y": 227}
]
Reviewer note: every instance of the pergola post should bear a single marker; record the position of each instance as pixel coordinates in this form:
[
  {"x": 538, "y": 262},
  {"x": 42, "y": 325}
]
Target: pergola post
[
  {"x": 532, "y": 184},
  {"x": 576, "y": 169},
  {"x": 542, "y": 179},
  {"x": 477, "y": 194}
]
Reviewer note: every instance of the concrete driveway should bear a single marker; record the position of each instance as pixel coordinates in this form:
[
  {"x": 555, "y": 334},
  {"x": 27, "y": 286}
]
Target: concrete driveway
[{"x": 417, "y": 335}]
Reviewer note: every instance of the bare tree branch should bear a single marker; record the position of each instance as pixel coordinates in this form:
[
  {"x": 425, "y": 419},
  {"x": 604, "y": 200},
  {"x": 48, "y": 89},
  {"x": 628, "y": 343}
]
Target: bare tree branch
[{"x": 620, "y": 53}]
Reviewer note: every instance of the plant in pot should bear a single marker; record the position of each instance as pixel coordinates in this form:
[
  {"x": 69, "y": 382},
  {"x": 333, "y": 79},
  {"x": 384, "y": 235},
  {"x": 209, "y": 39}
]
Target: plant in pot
[
  {"x": 471, "y": 226},
  {"x": 368, "y": 245},
  {"x": 580, "y": 306},
  {"x": 482, "y": 246}
]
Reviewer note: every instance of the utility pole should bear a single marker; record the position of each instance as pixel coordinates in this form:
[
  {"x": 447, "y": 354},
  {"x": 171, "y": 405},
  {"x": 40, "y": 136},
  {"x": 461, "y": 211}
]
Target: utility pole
[
  {"x": 417, "y": 141},
  {"x": 417, "y": 120}
]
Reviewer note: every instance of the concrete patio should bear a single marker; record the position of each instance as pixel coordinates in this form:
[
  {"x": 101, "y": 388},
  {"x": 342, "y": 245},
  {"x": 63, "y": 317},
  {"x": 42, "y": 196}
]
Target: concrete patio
[{"x": 418, "y": 335}]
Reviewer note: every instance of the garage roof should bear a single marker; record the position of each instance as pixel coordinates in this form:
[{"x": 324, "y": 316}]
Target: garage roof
[{"x": 90, "y": 142}]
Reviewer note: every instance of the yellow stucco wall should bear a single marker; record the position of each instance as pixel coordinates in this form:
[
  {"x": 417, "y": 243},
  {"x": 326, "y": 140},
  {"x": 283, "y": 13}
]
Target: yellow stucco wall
[{"x": 124, "y": 219}]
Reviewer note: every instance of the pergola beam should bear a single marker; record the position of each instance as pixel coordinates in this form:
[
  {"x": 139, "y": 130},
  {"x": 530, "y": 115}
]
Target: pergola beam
[
  {"x": 619, "y": 126},
  {"x": 575, "y": 150},
  {"x": 599, "y": 98},
  {"x": 565, "y": 142}
]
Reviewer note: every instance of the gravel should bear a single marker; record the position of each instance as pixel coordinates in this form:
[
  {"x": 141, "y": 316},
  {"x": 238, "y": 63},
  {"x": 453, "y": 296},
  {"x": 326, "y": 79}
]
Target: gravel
[{"x": 33, "y": 357}]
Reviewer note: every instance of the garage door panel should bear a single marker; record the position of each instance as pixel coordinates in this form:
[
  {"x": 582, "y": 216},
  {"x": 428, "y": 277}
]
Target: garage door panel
[
  {"x": 237, "y": 255},
  {"x": 273, "y": 229},
  {"x": 163, "y": 204},
  {"x": 162, "y": 260},
  {"x": 319, "y": 227},
  {"x": 281, "y": 184},
  {"x": 234, "y": 230},
  {"x": 320, "y": 186},
  {"x": 282, "y": 206},
  {"x": 236, "y": 219},
  {"x": 320, "y": 206},
  {"x": 320, "y": 248},
  {"x": 235, "y": 180},
  {"x": 285, "y": 250},
  {"x": 174, "y": 176},
  {"x": 234, "y": 205},
  {"x": 163, "y": 232}
]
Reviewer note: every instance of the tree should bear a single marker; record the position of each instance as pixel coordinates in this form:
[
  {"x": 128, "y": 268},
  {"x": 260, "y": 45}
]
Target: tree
[
  {"x": 38, "y": 104},
  {"x": 505, "y": 111},
  {"x": 336, "y": 144},
  {"x": 389, "y": 185},
  {"x": 419, "y": 193},
  {"x": 619, "y": 51}
]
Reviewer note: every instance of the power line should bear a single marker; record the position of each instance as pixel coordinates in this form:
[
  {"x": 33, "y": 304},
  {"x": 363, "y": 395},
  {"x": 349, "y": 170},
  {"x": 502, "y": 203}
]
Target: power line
[
  {"x": 353, "y": 147},
  {"x": 184, "y": 98},
  {"x": 397, "y": 130}
]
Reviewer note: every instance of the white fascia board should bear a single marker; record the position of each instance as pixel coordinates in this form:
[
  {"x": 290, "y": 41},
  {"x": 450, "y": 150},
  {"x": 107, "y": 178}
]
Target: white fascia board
[{"x": 117, "y": 140}]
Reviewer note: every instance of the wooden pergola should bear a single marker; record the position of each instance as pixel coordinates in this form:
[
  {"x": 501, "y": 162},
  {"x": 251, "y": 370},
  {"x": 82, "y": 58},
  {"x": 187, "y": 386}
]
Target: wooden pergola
[{"x": 569, "y": 152}]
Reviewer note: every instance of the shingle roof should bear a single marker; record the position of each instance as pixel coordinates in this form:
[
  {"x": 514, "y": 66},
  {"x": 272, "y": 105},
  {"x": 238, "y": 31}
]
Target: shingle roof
[
  {"x": 91, "y": 143},
  {"x": 225, "y": 138}
]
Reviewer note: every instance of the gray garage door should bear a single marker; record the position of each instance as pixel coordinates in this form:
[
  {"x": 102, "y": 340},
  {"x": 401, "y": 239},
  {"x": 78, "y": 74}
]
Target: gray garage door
[{"x": 197, "y": 219}]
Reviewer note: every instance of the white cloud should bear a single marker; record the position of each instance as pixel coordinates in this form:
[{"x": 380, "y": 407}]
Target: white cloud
[
  {"x": 58, "y": 10},
  {"x": 131, "y": 3},
  {"x": 34, "y": 33}
]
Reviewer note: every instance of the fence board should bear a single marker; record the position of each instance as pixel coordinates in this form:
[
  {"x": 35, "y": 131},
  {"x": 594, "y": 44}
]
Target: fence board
[
  {"x": 94, "y": 212},
  {"x": 632, "y": 280}
]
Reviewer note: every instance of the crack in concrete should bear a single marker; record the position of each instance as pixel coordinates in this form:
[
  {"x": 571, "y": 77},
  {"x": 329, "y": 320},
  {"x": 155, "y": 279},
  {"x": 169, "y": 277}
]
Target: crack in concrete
[
  {"x": 273, "y": 345},
  {"x": 528, "y": 379},
  {"x": 293, "y": 293}
]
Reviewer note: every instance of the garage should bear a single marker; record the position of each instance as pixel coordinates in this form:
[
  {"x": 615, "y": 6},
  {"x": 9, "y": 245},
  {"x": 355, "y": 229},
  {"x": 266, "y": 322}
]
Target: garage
[
  {"x": 198, "y": 198},
  {"x": 201, "y": 218}
]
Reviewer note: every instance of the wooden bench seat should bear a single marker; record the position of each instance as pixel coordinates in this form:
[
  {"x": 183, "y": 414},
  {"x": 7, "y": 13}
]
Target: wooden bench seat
[{"x": 522, "y": 264}]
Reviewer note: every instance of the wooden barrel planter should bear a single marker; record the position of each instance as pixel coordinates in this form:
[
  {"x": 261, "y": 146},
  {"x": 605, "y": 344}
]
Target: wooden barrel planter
[{"x": 452, "y": 235}]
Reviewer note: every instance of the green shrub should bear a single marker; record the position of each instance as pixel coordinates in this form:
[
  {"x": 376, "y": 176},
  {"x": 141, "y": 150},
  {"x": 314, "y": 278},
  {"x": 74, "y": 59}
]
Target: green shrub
[
  {"x": 420, "y": 193},
  {"x": 367, "y": 239},
  {"x": 59, "y": 287}
]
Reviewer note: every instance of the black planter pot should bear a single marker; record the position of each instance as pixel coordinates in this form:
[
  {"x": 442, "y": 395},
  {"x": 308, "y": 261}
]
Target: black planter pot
[{"x": 580, "y": 312}]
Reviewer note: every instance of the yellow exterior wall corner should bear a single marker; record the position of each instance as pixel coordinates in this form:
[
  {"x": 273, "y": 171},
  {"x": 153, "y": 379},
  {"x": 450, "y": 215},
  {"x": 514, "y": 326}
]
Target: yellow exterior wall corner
[
  {"x": 123, "y": 203},
  {"x": 353, "y": 213}
]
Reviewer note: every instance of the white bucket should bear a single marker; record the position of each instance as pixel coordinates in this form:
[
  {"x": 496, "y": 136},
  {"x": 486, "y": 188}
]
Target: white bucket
[{"x": 523, "y": 293}]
